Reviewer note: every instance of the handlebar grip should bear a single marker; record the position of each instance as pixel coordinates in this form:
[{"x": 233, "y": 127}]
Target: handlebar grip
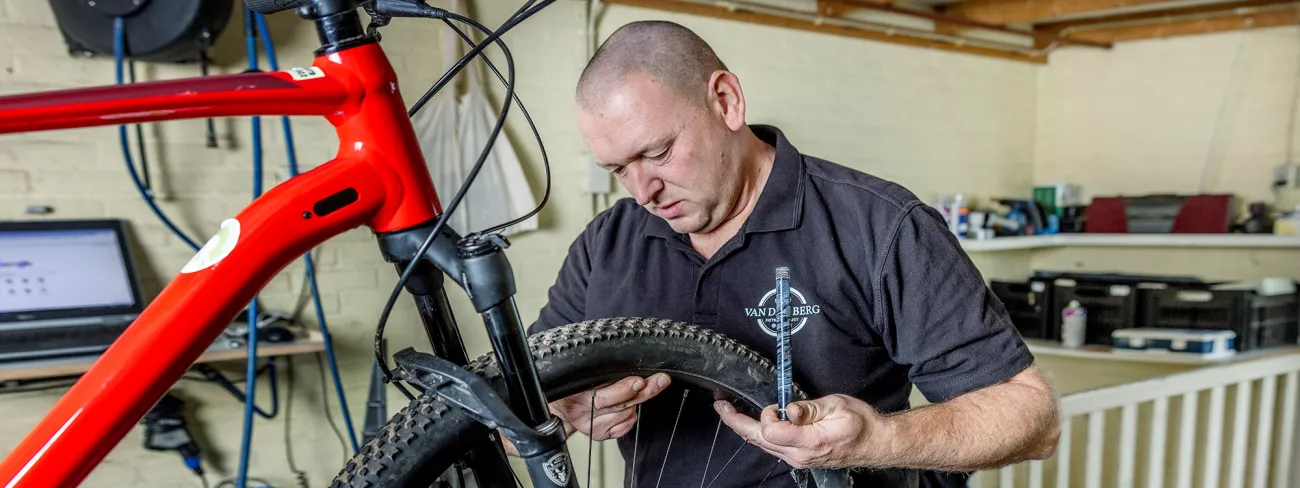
[{"x": 267, "y": 7}]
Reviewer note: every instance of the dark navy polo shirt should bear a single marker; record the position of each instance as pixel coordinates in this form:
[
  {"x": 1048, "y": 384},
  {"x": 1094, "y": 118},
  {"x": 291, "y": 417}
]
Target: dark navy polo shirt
[{"x": 883, "y": 296}]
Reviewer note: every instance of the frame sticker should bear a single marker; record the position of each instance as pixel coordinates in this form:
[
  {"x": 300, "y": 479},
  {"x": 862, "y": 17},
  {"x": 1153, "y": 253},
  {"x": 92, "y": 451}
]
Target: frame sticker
[
  {"x": 299, "y": 74},
  {"x": 216, "y": 249}
]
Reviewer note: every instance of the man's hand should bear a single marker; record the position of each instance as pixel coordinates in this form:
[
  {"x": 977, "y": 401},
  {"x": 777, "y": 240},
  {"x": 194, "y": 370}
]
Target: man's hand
[
  {"x": 829, "y": 432},
  {"x": 1006, "y": 423},
  {"x": 615, "y": 412}
]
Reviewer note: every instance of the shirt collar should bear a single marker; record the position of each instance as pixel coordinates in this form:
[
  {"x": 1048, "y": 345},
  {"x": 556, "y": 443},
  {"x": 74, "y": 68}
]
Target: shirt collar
[{"x": 779, "y": 205}]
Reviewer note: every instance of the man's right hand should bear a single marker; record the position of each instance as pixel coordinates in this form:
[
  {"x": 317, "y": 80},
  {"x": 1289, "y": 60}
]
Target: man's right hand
[{"x": 615, "y": 412}]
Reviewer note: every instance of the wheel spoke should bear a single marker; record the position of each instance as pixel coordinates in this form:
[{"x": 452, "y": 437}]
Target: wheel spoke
[
  {"x": 671, "y": 435},
  {"x": 591, "y": 427},
  {"x": 724, "y": 466},
  {"x": 709, "y": 459},
  {"x": 636, "y": 441},
  {"x": 769, "y": 472}
]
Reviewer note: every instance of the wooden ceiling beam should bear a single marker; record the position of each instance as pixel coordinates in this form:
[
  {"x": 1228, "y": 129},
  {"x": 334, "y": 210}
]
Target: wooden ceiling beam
[
  {"x": 949, "y": 24},
  {"x": 898, "y": 36},
  {"x": 1273, "y": 18},
  {"x": 1168, "y": 13},
  {"x": 1028, "y": 11}
]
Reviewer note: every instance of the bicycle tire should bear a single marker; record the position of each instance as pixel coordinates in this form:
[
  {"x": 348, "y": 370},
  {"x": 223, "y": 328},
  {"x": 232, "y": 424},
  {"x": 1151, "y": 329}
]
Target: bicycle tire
[
  {"x": 421, "y": 441},
  {"x": 268, "y": 7}
]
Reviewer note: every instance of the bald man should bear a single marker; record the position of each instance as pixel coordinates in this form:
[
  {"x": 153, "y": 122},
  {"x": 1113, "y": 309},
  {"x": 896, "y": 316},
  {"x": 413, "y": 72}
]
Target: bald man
[{"x": 884, "y": 298}]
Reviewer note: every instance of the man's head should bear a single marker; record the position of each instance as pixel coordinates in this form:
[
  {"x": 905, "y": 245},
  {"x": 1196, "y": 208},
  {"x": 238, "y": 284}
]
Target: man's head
[{"x": 660, "y": 110}]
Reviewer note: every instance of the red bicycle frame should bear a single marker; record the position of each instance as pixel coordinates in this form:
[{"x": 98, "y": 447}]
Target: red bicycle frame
[{"x": 378, "y": 179}]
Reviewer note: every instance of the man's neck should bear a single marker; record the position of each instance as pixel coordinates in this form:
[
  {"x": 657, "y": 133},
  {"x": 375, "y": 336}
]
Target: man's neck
[{"x": 755, "y": 168}]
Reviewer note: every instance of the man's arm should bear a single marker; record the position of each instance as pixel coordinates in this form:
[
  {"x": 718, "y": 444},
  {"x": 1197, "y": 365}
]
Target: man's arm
[{"x": 991, "y": 427}]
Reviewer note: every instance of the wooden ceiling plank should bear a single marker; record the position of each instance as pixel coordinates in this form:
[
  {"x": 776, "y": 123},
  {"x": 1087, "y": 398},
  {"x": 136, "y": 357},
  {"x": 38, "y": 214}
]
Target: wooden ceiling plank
[
  {"x": 721, "y": 12},
  {"x": 1026, "y": 11},
  {"x": 1274, "y": 18},
  {"x": 946, "y": 24},
  {"x": 1174, "y": 12}
]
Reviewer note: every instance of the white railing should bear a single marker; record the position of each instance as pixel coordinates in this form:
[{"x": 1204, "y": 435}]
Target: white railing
[{"x": 1175, "y": 431}]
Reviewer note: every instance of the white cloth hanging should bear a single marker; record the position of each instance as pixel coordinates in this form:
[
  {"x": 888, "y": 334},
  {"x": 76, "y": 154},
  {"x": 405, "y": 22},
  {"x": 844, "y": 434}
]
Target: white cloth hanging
[{"x": 452, "y": 132}]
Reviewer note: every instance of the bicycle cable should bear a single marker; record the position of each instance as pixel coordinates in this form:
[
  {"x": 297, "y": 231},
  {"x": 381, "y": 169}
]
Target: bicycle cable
[
  {"x": 519, "y": 16},
  {"x": 546, "y": 162}
]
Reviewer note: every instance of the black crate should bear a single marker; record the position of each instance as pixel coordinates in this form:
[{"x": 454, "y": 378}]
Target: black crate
[
  {"x": 1029, "y": 304},
  {"x": 1109, "y": 306},
  {"x": 1259, "y": 321}
]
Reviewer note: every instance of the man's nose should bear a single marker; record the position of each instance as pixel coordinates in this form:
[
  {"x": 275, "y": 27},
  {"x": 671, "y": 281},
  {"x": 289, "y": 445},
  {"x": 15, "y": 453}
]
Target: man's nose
[{"x": 643, "y": 185}]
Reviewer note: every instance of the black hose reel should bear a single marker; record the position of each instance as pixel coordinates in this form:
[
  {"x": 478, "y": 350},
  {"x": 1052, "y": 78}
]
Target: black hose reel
[{"x": 166, "y": 31}]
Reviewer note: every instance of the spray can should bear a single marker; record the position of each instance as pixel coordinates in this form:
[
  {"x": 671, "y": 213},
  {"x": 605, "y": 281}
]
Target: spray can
[{"x": 1074, "y": 323}]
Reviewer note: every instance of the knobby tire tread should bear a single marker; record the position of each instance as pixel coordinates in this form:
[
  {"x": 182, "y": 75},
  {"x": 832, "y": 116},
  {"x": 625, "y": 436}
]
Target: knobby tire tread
[{"x": 421, "y": 440}]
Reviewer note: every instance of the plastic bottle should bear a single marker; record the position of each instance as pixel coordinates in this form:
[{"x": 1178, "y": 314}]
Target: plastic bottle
[
  {"x": 1074, "y": 322},
  {"x": 958, "y": 215}
]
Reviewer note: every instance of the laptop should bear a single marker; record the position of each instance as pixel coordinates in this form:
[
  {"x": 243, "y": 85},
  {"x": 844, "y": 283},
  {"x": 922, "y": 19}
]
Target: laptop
[{"x": 67, "y": 287}]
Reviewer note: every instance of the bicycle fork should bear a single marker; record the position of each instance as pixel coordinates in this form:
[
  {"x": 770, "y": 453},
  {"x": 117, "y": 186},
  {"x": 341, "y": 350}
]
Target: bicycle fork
[{"x": 478, "y": 264}]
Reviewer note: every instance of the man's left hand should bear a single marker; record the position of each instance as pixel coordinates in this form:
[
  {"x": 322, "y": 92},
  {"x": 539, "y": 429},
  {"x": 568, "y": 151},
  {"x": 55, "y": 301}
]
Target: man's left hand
[{"x": 830, "y": 432}]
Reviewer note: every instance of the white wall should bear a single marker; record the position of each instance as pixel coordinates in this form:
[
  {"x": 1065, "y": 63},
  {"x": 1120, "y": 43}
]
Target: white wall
[{"x": 1197, "y": 114}]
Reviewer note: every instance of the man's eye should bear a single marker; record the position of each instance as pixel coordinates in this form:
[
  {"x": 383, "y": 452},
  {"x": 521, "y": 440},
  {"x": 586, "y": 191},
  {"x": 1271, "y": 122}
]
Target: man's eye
[
  {"x": 656, "y": 157},
  {"x": 618, "y": 170}
]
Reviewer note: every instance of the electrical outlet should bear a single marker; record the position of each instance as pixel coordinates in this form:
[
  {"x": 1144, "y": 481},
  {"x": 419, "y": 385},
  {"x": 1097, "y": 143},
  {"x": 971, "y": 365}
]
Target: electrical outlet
[
  {"x": 598, "y": 179},
  {"x": 1286, "y": 176}
]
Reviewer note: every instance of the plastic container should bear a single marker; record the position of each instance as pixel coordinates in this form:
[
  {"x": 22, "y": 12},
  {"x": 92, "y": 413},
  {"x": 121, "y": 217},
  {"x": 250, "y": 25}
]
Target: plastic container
[
  {"x": 1029, "y": 304},
  {"x": 1205, "y": 343},
  {"x": 1259, "y": 318},
  {"x": 1074, "y": 325}
]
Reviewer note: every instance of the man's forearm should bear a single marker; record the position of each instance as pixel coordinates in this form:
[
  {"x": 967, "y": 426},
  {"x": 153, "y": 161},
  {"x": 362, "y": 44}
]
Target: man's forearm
[{"x": 987, "y": 428}]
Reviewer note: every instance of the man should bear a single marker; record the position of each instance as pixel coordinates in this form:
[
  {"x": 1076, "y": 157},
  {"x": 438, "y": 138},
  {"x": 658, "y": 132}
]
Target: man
[{"x": 885, "y": 298}]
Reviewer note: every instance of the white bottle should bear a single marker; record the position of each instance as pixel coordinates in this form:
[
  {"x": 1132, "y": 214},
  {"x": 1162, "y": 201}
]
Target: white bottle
[{"x": 1074, "y": 322}]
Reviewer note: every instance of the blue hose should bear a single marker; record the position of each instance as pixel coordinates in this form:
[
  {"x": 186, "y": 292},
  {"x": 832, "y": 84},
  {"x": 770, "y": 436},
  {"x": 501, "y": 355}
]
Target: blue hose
[
  {"x": 250, "y": 387},
  {"x": 119, "y": 55},
  {"x": 269, "y": 47}
]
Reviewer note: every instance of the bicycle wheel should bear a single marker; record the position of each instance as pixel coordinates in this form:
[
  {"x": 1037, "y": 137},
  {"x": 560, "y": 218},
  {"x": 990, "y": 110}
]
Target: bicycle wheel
[{"x": 423, "y": 439}]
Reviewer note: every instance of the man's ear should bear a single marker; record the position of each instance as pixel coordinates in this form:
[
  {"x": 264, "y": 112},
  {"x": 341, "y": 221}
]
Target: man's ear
[{"x": 726, "y": 99}]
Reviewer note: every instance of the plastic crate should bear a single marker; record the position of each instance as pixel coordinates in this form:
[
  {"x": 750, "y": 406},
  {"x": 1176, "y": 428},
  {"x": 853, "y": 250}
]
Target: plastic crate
[
  {"x": 1109, "y": 306},
  {"x": 1029, "y": 304},
  {"x": 1258, "y": 320}
]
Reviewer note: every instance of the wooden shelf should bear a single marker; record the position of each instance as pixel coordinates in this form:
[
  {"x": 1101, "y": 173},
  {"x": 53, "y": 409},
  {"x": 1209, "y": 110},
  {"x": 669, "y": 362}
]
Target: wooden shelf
[
  {"x": 46, "y": 368},
  {"x": 1104, "y": 353},
  {"x": 1132, "y": 240}
]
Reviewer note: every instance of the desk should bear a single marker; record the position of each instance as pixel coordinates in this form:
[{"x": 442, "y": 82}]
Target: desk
[{"x": 46, "y": 368}]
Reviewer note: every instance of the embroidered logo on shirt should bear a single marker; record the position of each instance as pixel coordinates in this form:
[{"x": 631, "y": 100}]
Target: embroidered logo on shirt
[{"x": 765, "y": 313}]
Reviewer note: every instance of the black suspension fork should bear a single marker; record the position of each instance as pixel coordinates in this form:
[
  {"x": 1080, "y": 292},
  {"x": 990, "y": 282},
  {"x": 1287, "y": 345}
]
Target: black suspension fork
[{"x": 479, "y": 265}]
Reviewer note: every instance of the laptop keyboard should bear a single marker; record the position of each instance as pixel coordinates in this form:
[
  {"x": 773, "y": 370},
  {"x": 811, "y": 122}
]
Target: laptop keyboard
[{"x": 55, "y": 341}]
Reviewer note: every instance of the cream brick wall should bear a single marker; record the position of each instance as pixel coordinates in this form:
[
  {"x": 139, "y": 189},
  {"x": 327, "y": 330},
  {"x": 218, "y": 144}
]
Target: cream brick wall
[{"x": 935, "y": 122}]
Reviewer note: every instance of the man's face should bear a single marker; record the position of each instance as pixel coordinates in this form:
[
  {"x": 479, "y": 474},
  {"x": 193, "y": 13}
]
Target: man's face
[{"x": 670, "y": 153}]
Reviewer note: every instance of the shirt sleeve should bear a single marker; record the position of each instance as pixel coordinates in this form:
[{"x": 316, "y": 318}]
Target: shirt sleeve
[
  {"x": 936, "y": 314},
  {"x": 566, "y": 300}
]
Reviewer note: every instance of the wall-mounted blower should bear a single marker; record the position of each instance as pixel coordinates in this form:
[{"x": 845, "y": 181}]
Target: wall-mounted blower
[{"x": 163, "y": 31}]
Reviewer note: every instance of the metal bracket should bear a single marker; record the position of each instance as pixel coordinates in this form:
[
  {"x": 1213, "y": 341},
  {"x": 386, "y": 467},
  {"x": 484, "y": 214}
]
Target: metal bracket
[{"x": 473, "y": 395}]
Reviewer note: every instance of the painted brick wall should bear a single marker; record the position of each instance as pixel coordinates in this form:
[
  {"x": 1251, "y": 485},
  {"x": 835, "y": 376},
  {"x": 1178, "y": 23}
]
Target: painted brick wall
[{"x": 936, "y": 122}]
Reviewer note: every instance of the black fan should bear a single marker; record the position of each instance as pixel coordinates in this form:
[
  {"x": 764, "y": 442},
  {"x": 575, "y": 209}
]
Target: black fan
[{"x": 156, "y": 31}]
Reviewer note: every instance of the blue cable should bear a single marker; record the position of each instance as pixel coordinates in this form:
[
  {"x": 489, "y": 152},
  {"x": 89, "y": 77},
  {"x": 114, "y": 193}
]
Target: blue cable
[
  {"x": 119, "y": 56},
  {"x": 250, "y": 388},
  {"x": 269, "y": 47}
]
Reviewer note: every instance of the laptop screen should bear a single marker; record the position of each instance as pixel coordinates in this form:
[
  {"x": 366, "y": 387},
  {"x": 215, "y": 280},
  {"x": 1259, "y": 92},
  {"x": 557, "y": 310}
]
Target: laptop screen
[{"x": 65, "y": 269}]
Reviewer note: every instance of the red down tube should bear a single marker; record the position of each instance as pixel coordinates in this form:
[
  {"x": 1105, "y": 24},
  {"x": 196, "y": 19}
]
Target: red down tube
[
  {"x": 378, "y": 179},
  {"x": 186, "y": 318}
]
